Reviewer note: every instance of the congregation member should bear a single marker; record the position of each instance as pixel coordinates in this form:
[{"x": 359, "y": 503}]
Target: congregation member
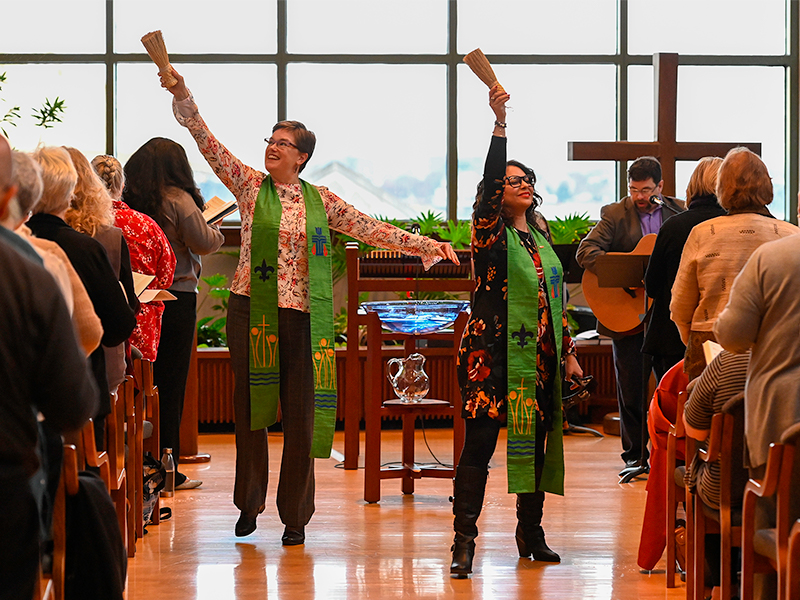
[
  {"x": 504, "y": 377},
  {"x": 89, "y": 259},
  {"x": 90, "y": 212},
  {"x": 150, "y": 250},
  {"x": 717, "y": 249},
  {"x": 662, "y": 340},
  {"x": 763, "y": 315},
  {"x": 42, "y": 370},
  {"x": 160, "y": 184},
  {"x": 621, "y": 226},
  {"x": 721, "y": 380},
  {"x": 281, "y": 307},
  {"x": 28, "y": 179}
]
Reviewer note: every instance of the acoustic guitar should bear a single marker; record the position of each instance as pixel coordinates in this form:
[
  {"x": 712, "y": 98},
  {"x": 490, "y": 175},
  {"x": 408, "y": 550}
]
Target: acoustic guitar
[{"x": 620, "y": 309}]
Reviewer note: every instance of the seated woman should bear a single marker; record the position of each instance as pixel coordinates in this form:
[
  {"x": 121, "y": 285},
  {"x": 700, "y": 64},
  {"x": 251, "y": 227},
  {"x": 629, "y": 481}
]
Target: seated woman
[
  {"x": 89, "y": 259},
  {"x": 90, "y": 212},
  {"x": 662, "y": 340},
  {"x": 723, "y": 379},
  {"x": 717, "y": 249},
  {"x": 763, "y": 315}
]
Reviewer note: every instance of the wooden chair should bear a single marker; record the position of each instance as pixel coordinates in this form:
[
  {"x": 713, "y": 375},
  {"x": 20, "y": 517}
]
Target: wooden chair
[
  {"x": 676, "y": 493},
  {"x": 133, "y": 487},
  {"x": 115, "y": 450},
  {"x": 386, "y": 271},
  {"x": 726, "y": 427},
  {"x": 766, "y": 550},
  {"x": 376, "y": 407},
  {"x": 146, "y": 407},
  {"x": 793, "y": 564},
  {"x": 54, "y": 584}
]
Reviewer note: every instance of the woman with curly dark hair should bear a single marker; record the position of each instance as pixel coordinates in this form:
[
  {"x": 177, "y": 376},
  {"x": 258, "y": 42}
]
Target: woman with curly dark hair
[
  {"x": 160, "y": 183},
  {"x": 515, "y": 351}
]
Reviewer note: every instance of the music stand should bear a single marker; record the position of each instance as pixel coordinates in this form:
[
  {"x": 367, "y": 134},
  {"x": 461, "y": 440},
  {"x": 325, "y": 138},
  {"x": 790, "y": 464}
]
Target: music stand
[{"x": 619, "y": 269}]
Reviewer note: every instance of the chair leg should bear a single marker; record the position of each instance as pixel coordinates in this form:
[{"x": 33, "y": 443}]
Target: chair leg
[
  {"x": 699, "y": 562},
  {"x": 690, "y": 549}
]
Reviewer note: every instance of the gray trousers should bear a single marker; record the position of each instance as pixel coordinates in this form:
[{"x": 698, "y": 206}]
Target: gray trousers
[{"x": 296, "y": 484}]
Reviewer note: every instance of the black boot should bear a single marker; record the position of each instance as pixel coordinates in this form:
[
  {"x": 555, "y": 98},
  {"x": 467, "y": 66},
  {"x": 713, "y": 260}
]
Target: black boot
[
  {"x": 470, "y": 486},
  {"x": 530, "y": 535}
]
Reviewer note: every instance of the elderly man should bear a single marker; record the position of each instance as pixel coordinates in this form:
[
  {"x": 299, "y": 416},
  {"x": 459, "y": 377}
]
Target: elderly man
[{"x": 42, "y": 370}]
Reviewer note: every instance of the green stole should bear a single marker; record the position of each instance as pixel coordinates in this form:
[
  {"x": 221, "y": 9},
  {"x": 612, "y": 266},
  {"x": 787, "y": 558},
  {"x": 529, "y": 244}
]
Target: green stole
[
  {"x": 523, "y": 304},
  {"x": 264, "y": 357}
]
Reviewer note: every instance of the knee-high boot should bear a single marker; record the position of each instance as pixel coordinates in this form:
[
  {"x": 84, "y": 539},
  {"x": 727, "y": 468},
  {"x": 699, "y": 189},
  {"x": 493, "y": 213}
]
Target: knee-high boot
[
  {"x": 470, "y": 487},
  {"x": 530, "y": 535}
]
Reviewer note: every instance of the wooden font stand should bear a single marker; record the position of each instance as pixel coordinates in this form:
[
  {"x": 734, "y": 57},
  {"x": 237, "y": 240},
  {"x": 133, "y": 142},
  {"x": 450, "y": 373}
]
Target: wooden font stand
[{"x": 377, "y": 407}]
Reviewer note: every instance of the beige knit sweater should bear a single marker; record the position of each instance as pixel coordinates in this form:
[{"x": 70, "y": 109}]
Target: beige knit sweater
[{"x": 714, "y": 254}]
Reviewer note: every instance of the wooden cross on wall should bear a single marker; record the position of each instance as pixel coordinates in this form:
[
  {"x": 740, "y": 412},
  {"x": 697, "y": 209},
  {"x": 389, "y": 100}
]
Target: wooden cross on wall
[{"x": 666, "y": 148}]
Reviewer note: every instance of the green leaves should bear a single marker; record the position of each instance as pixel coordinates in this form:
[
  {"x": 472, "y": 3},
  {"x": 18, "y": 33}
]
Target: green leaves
[
  {"x": 211, "y": 330},
  {"x": 428, "y": 222},
  {"x": 49, "y": 113},
  {"x": 46, "y": 116},
  {"x": 458, "y": 233},
  {"x": 570, "y": 229}
]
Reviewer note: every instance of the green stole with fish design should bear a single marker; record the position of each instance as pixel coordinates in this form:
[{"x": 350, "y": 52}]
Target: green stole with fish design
[
  {"x": 522, "y": 335},
  {"x": 264, "y": 338}
]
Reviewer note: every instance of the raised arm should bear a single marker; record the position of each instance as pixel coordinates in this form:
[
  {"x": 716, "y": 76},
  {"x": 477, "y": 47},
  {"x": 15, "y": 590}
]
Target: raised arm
[
  {"x": 486, "y": 222},
  {"x": 347, "y": 219},
  {"x": 234, "y": 174}
]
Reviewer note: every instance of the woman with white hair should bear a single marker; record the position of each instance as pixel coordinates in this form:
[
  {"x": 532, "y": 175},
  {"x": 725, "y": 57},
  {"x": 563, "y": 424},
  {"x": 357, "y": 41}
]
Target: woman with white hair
[
  {"x": 88, "y": 257},
  {"x": 28, "y": 179}
]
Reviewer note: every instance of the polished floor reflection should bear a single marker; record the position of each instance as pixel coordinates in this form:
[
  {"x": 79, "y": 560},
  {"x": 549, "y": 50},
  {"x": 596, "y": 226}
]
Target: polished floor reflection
[{"x": 398, "y": 548}]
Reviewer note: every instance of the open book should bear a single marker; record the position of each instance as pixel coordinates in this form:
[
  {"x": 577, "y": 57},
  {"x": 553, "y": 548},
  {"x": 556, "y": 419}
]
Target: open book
[
  {"x": 710, "y": 350},
  {"x": 140, "y": 283},
  {"x": 217, "y": 209}
]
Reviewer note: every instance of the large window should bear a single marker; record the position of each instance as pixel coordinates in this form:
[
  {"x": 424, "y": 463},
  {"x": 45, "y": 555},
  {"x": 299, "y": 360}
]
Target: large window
[{"x": 402, "y": 124}]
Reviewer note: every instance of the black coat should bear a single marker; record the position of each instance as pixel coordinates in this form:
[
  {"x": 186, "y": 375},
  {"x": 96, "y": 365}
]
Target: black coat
[
  {"x": 662, "y": 338},
  {"x": 90, "y": 261}
]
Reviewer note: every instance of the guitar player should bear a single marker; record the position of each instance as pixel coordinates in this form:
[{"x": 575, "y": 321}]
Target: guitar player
[{"x": 621, "y": 226}]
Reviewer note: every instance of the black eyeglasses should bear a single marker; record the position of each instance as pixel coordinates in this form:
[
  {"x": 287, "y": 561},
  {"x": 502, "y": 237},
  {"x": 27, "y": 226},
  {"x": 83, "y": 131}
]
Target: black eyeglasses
[
  {"x": 282, "y": 144},
  {"x": 515, "y": 181}
]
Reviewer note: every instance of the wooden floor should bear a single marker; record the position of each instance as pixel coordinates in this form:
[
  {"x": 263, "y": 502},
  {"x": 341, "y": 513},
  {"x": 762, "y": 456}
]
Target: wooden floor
[{"x": 398, "y": 548}]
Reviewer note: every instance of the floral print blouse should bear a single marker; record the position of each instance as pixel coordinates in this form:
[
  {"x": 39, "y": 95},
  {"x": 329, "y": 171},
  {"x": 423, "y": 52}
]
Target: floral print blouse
[
  {"x": 482, "y": 356},
  {"x": 244, "y": 183},
  {"x": 151, "y": 254}
]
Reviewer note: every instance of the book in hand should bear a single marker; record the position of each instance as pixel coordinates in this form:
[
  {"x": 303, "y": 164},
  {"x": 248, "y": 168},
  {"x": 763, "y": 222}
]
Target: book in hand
[
  {"x": 217, "y": 209},
  {"x": 145, "y": 295}
]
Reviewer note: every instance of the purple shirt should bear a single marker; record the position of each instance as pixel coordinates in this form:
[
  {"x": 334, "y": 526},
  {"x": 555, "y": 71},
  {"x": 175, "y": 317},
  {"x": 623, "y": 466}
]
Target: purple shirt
[{"x": 651, "y": 222}]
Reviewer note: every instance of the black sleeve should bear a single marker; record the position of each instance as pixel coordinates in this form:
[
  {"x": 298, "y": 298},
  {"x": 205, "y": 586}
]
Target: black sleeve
[
  {"x": 104, "y": 290},
  {"x": 487, "y": 224}
]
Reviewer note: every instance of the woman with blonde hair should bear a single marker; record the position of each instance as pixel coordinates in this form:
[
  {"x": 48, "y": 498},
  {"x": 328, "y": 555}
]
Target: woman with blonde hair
[
  {"x": 662, "y": 340},
  {"x": 717, "y": 249},
  {"x": 150, "y": 250},
  {"x": 89, "y": 259},
  {"x": 90, "y": 212}
]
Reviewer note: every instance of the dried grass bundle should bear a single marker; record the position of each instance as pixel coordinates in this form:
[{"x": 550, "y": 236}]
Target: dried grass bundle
[
  {"x": 477, "y": 61},
  {"x": 154, "y": 44}
]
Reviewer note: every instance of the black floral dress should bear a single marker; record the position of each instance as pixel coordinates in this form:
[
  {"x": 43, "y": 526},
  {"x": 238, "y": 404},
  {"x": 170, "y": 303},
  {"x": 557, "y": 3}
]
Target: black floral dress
[{"x": 482, "y": 356}]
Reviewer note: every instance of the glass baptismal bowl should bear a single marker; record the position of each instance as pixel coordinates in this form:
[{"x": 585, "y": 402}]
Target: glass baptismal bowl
[{"x": 416, "y": 316}]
